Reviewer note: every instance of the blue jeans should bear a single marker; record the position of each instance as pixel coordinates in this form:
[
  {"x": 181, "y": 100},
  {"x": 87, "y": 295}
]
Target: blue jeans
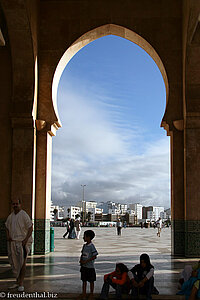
[
  {"x": 118, "y": 288},
  {"x": 145, "y": 290}
]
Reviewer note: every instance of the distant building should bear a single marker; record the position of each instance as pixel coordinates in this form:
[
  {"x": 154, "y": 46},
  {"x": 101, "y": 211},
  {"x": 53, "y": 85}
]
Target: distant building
[
  {"x": 114, "y": 211},
  {"x": 131, "y": 211},
  {"x": 153, "y": 212},
  {"x": 85, "y": 205},
  {"x": 168, "y": 213},
  {"x": 137, "y": 208},
  {"x": 163, "y": 215},
  {"x": 130, "y": 218},
  {"x": 123, "y": 208},
  {"x": 58, "y": 215},
  {"x": 72, "y": 211},
  {"x": 110, "y": 207},
  {"x": 93, "y": 212},
  {"x": 106, "y": 206}
]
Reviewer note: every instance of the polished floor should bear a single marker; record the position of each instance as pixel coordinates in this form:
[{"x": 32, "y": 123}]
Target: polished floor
[{"x": 58, "y": 272}]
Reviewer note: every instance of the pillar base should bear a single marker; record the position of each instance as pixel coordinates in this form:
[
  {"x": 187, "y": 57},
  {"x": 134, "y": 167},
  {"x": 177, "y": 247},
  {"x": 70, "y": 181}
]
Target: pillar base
[
  {"x": 178, "y": 237},
  {"x": 192, "y": 238},
  {"x": 186, "y": 238},
  {"x": 42, "y": 236}
]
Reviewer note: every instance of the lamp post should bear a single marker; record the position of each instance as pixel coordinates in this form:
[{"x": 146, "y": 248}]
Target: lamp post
[{"x": 83, "y": 206}]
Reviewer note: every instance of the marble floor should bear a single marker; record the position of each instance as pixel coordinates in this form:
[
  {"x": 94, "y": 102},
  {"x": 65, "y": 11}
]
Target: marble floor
[{"x": 58, "y": 271}]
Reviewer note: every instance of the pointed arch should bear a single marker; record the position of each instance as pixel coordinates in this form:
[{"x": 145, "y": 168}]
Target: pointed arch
[{"x": 109, "y": 29}]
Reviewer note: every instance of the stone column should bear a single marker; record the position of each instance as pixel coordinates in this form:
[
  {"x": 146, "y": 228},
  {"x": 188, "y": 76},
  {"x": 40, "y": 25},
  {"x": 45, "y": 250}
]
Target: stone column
[
  {"x": 6, "y": 140},
  {"x": 192, "y": 184},
  {"x": 177, "y": 190},
  {"x": 23, "y": 163},
  {"x": 43, "y": 187}
]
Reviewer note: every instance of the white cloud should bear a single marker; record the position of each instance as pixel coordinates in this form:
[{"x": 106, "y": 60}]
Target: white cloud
[
  {"x": 87, "y": 131},
  {"x": 90, "y": 150}
]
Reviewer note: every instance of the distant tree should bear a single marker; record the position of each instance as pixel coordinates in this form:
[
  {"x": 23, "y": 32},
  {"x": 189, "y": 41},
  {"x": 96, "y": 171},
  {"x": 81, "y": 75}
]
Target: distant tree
[
  {"x": 82, "y": 216},
  {"x": 55, "y": 212},
  {"x": 68, "y": 211},
  {"x": 89, "y": 216}
]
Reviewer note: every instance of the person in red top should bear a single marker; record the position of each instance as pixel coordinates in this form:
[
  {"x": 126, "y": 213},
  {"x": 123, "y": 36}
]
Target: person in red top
[{"x": 118, "y": 279}]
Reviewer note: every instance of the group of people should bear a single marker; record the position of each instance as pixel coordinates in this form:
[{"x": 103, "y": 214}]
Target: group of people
[
  {"x": 73, "y": 228},
  {"x": 138, "y": 280}
]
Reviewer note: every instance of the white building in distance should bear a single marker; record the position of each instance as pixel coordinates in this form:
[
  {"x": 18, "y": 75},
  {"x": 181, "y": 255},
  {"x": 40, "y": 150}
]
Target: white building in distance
[
  {"x": 85, "y": 205},
  {"x": 93, "y": 211},
  {"x": 110, "y": 207},
  {"x": 137, "y": 208},
  {"x": 59, "y": 214},
  {"x": 154, "y": 213},
  {"x": 72, "y": 211}
]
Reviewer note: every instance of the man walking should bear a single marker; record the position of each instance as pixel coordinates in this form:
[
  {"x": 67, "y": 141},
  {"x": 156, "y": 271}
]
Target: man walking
[
  {"x": 19, "y": 236},
  {"x": 159, "y": 225},
  {"x": 119, "y": 226}
]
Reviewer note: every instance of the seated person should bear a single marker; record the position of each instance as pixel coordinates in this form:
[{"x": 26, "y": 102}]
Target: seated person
[
  {"x": 190, "y": 288},
  {"x": 187, "y": 272},
  {"x": 118, "y": 280},
  {"x": 141, "y": 277},
  {"x": 185, "y": 275}
]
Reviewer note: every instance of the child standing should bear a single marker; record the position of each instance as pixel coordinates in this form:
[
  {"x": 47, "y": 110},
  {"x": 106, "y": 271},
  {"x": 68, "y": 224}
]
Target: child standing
[{"x": 88, "y": 255}]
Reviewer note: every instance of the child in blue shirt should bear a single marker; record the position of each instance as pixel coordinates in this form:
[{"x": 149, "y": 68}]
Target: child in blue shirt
[{"x": 88, "y": 255}]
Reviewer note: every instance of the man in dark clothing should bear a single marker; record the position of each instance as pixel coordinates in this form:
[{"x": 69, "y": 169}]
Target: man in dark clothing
[{"x": 68, "y": 228}]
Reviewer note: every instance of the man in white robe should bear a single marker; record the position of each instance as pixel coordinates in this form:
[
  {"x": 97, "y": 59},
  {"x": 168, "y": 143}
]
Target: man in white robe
[{"x": 19, "y": 236}]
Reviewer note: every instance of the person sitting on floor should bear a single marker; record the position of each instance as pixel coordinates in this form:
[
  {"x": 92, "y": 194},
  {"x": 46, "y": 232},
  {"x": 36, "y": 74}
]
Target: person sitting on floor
[
  {"x": 190, "y": 288},
  {"x": 118, "y": 280},
  {"x": 142, "y": 280},
  {"x": 187, "y": 272}
]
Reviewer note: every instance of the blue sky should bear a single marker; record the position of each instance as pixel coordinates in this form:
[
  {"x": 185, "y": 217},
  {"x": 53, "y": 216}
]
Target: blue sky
[{"x": 111, "y": 99}]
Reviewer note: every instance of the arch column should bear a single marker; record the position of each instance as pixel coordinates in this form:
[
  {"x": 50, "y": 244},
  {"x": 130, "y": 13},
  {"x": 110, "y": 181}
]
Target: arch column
[
  {"x": 185, "y": 186},
  {"x": 23, "y": 162},
  {"x": 22, "y": 169},
  {"x": 192, "y": 184},
  {"x": 177, "y": 191},
  {"x": 45, "y": 132}
]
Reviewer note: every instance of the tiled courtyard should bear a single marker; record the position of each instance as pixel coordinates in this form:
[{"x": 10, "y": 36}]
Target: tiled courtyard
[{"x": 59, "y": 270}]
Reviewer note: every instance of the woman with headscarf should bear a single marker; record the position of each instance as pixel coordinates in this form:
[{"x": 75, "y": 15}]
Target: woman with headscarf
[{"x": 141, "y": 277}]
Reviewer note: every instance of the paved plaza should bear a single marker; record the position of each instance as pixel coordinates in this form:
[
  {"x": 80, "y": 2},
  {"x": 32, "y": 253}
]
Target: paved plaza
[{"x": 59, "y": 271}]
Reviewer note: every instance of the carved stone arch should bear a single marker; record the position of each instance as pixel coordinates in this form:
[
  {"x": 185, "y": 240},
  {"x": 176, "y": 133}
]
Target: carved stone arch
[{"x": 109, "y": 29}]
